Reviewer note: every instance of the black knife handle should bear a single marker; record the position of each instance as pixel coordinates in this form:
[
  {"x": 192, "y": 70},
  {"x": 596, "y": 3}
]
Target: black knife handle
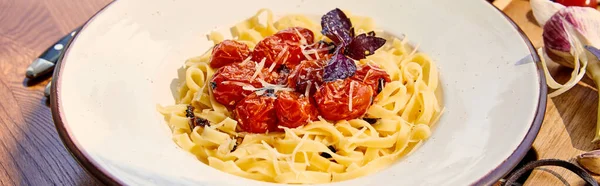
[
  {"x": 52, "y": 53},
  {"x": 46, "y": 61}
]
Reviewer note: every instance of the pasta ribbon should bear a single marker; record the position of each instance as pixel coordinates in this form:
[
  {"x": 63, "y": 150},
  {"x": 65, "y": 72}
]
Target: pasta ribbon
[{"x": 321, "y": 151}]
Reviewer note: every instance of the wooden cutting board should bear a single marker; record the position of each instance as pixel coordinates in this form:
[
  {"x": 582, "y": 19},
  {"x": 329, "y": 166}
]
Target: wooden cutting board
[{"x": 570, "y": 119}]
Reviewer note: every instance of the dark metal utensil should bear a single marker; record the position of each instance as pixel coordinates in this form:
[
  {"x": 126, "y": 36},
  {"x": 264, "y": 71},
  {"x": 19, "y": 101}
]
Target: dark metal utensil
[
  {"x": 594, "y": 51},
  {"x": 47, "y": 89},
  {"x": 46, "y": 62}
]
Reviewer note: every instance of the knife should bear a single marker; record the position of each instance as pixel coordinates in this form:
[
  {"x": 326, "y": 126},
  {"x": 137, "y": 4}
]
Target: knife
[
  {"x": 46, "y": 62},
  {"x": 593, "y": 50}
]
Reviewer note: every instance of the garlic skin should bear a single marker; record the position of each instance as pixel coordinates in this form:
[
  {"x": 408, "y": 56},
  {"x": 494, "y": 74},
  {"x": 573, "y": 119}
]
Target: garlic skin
[
  {"x": 584, "y": 20},
  {"x": 590, "y": 161},
  {"x": 566, "y": 36},
  {"x": 544, "y": 9}
]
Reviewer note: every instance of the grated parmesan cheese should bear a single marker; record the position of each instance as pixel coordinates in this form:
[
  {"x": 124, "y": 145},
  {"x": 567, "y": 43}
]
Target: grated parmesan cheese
[
  {"x": 198, "y": 95},
  {"x": 313, "y": 51},
  {"x": 285, "y": 49},
  {"x": 306, "y": 162},
  {"x": 258, "y": 68},
  {"x": 260, "y": 93},
  {"x": 367, "y": 75},
  {"x": 357, "y": 134},
  {"x": 249, "y": 87},
  {"x": 285, "y": 59},
  {"x": 266, "y": 86},
  {"x": 321, "y": 118},
  {"x": 307, "y": 53},
  {"x": 414, "y": 50},
  {"x": 273, "y": 150},
  {"x": 305, "y": 137},
  {"x": 272, "y": 67},
  {"x": 372, "y": 64},
  {"x": 247, "y": 60},
  {"x": 307, "y": 91},
  {"x": 404, "y": 40},
  {"x": 350, "y": 96},
  {"x": 303, "y": 48},
  {"x": 276, "y": 166},
  {"x": 302, "y": 39},
  {"x": 236, "y": 83},
  {"x": 291, "y": 164}
]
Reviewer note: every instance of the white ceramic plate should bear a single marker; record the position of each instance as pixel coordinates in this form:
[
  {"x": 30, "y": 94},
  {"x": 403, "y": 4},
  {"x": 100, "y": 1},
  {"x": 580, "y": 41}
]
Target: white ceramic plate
[{"x": 123, "y": 61}]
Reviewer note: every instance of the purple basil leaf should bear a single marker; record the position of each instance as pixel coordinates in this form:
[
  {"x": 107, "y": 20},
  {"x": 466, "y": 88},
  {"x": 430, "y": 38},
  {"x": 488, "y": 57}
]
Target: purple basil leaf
[
  {"x": 363, "y": 45},
  {"x": 337, "y": 27},
  {"x": 339, "y": 67}
]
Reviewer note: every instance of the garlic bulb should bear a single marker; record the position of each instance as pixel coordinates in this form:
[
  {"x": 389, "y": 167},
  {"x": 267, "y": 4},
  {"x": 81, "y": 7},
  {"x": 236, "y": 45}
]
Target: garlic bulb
[
  {"x": 562, "y": 38},
  {"x": 586, "y": 24},
  {"x": 590, "y": 161},
  {"x": 544, "y": 9},
  {"x": 566, "y": 36}
]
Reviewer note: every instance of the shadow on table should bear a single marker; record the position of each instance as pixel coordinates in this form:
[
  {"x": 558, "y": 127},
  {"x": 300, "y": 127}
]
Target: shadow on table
[
  {"x": 531, "y": 155},
  {"x": 531, "y": 18},
  {"x": 578, "y": 109},
  {"x": 35, "y": 81},
  {"x": 31, "y": 152}
]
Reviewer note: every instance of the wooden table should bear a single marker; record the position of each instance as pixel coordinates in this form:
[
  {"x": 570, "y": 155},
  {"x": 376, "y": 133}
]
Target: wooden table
[
  {"x": 570, "y": 119},
  {"x": 32, "y": 154}
]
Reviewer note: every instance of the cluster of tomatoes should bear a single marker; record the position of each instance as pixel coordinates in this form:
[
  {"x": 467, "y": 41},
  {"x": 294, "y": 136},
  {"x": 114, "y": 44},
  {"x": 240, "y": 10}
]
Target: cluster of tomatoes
[
  {"x": 583, "y": 3},
  {"x": 285, "y": 64}
]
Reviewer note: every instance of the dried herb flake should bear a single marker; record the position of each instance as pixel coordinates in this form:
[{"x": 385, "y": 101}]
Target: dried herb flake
[
  {"x": 371, "y": 120},
  {"x": 327, "y": 155}
]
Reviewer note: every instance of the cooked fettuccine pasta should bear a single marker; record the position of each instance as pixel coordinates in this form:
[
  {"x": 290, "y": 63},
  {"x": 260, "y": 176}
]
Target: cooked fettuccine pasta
[{"x": 275, "y": 124}]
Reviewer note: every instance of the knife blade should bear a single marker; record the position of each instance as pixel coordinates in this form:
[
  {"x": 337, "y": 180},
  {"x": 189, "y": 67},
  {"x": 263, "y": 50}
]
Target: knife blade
[
  {"x": 47, "y": 60},
  {"x": 593, "y": 50}
]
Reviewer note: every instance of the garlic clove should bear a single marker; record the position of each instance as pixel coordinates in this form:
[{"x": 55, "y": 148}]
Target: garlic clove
[
  {"x": 544, "y": 9},
  {"x": 565, "y": 34},
  {"x": 560, "y": 57},
  {"x": 585, "y": 23},
  {"x": 590, "y": 161}
]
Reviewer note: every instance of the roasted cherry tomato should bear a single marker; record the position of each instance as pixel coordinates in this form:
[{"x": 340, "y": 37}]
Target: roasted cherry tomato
[
  {"x": 333, "y": 99},
  {"x": 256, "y": 114},
  {"x": 294, "y": 109},
  {"x": 283, "y": 48},
  {"x": 227, "y": 52},
  {"x": 308, "y": 72},
  {"x": 373, "y": 76},
  {"x": 272, "y": 77},
  {"x": 291, "y": 35},
  {"x": 228, "y": 82},
  {"x": 584, "y": 3},
  {"x": 270, "y": 49},
  {"x": 294, "y": 42}
]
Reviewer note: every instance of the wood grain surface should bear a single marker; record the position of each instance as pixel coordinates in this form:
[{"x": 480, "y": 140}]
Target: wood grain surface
[
  {"x": 570, "y": 119},
  {"x": 32, "y": 154}
]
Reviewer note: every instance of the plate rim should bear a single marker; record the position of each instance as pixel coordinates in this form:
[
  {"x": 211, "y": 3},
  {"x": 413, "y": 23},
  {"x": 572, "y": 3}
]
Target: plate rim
[{"x": 101, "y": 174}]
